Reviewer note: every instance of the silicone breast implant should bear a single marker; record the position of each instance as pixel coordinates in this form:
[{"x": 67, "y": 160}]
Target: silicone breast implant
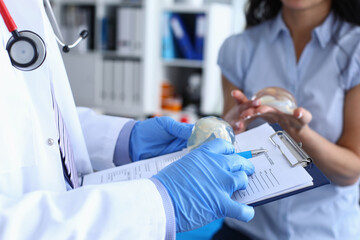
[
  {"x": 278, "y": 98},
  {"x": 209, "y": 128}
]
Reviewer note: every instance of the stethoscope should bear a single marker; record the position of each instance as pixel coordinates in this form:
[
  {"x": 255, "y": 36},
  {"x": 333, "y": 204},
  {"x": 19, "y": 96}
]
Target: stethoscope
[{"x": 27, "y": 50}]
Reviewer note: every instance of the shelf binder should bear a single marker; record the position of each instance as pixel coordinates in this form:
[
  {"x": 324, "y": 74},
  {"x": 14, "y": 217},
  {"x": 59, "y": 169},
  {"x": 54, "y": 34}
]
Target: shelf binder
[
  {"x": 302, "y": 157},
  {"x": 200, "y": 35},
  {"x": 182, "y": 37},
  {"x": 168, "y": 47}
]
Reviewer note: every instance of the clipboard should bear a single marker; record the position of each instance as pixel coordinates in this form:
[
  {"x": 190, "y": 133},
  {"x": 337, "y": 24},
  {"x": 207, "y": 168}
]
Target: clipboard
[
  {"x": 147, "y": 168},
  {"x": 302, "y": 157}
]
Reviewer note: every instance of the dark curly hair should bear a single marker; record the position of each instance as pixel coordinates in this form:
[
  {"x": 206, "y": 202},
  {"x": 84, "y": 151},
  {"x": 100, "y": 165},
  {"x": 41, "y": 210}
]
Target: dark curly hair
[{"x": 258, "y": 11}]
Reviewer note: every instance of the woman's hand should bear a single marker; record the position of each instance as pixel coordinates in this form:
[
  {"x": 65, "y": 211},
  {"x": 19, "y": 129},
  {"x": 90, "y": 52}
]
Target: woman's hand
[
  {"x": 234, "y": 115},
  {"x": 291, "y": 123}
]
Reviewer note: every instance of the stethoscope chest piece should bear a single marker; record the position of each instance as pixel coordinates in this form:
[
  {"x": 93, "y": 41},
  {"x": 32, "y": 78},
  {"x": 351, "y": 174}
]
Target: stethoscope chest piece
[{"x": 26, "y": 50}]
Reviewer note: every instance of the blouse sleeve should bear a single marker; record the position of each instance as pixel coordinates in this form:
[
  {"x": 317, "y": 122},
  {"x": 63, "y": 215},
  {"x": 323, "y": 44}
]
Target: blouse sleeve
[
  {"x": 351, "y": 76},
  {"x": 349, "y": 62},
  {"x": 231, "y": 59}
]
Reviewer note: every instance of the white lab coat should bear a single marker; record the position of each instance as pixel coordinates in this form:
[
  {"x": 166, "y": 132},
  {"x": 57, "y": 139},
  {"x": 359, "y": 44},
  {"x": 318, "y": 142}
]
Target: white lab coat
[{"x": 34, "y": 203}]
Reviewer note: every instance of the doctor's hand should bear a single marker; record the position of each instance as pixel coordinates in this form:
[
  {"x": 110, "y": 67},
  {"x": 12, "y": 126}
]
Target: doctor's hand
[
  {"x": 233, "y": 116},
  {"x": 202, "y": 182},
  {"x": 158, "y": 136}
]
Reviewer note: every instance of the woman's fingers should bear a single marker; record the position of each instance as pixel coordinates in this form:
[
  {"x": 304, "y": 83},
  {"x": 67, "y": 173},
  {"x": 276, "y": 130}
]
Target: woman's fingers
[
  {"x": 257, "y": 111},
  {"x": 241, "y": 99},
  {"x": 303, "y": 115},
  {"x": 239, "y": 96}
]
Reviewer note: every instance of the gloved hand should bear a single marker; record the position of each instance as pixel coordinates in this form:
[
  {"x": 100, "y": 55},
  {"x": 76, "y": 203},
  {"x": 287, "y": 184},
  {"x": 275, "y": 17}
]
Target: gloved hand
[
  {"x": 158, "y": 136},
  {"x": 202, "y": 182}
]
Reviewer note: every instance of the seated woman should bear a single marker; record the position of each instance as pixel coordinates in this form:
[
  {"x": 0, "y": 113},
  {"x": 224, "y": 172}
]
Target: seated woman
[{"x": 312, "y": 49}]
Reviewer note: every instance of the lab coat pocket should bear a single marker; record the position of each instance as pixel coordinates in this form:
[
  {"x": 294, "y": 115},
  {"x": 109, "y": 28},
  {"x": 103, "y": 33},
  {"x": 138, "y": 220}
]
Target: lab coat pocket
[{"x": 16, "y": 121}]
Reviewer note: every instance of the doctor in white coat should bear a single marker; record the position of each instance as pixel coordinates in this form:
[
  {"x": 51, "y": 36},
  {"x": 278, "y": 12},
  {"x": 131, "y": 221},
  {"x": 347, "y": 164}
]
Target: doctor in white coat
[{"x": 36, "y": 202}]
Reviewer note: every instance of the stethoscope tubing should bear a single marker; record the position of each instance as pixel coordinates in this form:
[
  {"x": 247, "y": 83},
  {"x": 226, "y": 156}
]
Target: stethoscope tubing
[
  {"x": 9, "y": 21},
  {"x": 53, "y": 22}
]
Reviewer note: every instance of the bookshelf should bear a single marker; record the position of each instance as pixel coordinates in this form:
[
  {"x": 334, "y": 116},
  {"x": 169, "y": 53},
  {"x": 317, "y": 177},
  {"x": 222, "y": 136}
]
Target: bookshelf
[
  {"x": 125, "y": 79},
  {"x": 117, "y": 69},
  {"x": 179, "y": 69}
]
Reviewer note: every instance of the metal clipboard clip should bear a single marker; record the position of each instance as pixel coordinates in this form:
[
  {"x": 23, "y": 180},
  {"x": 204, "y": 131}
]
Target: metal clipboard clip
[{"x": 301, "y": 156}]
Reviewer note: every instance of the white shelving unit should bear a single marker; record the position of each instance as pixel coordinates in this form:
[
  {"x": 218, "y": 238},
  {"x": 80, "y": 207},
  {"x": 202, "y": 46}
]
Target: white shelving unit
[
  {"x": 114, "y": 82},
  {"x": 135, "y": 78}
]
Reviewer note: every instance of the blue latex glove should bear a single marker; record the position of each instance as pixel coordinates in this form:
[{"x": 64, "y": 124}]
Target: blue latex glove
[
  {"x": 202, "y": 182},
  {"x": 158, "y": 136}
]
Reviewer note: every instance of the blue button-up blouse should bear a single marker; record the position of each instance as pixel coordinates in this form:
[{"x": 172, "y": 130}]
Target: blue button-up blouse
[{"x": 329, "y": 66}]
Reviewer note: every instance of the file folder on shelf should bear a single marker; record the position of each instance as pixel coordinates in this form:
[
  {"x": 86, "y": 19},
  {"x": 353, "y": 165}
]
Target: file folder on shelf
[
  {"x": 182, "y": 37},
  {"x": 200, "y": 35},
  {"x": 168, "y": 48}
]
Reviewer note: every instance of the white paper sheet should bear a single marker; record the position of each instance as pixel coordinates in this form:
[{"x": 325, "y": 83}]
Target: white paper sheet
[{"x": 132, "y": 171}]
